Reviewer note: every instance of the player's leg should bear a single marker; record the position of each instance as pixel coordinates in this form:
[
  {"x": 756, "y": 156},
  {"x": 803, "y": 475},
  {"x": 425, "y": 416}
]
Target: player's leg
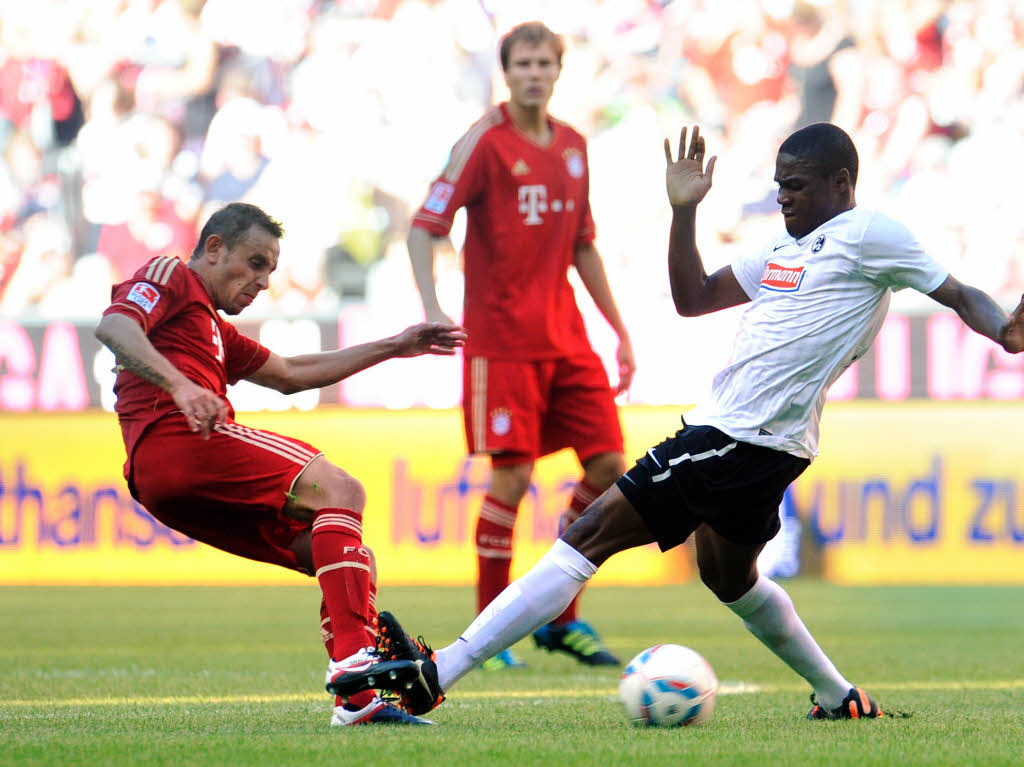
[
  {"x": 610, "y": 525},
  {"x": 501, "y": 410},
  {"x": 495, "y": 525},
  {"x": 568, "y": 633},
  {"x": 582, "y": 415},
  {"x": 729, "y": 570},
  {"x": 346, "y": 571}
]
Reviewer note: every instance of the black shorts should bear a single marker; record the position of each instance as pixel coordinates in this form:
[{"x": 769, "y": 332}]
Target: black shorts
[{"x": 704, "y": 476}]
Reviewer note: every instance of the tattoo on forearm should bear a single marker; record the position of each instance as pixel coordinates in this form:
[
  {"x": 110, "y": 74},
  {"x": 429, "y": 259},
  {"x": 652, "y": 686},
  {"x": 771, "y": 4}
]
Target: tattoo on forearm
[{"x": 127, "y": 360}]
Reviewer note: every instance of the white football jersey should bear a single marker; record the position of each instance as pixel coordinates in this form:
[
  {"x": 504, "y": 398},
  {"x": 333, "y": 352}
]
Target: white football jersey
[{"x": 817, "y": 304}]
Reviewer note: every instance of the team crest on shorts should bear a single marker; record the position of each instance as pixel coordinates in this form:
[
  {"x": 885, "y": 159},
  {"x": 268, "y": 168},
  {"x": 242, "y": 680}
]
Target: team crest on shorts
[
  {"x": 501, "y": 421},
  {"x": 574, "y": 162},
  {"x": 818, "y": 244}
]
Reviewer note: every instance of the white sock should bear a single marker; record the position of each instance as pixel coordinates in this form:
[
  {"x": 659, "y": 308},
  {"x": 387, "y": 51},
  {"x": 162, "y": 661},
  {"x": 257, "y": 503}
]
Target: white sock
[
  {"x": 768, "y": 613},
  {"x": 525, "y": 605}
]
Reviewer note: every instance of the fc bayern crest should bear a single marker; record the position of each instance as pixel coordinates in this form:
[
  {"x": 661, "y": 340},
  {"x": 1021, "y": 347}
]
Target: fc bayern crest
[
  {"x": 501, "y": 421},
  {"x": 574, "y": 162},
  {"x": 818, "y": 244}
]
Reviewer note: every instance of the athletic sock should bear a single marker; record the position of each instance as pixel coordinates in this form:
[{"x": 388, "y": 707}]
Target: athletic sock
[
  {"x": 583, "y": 495},
  {"x": 371, "y": 617},
  {"x": 529, "y": 602},
  {"x": 768, "y": 613},
  {"x": 343, "y": 570},
  {"x": 493, "y": 549}
]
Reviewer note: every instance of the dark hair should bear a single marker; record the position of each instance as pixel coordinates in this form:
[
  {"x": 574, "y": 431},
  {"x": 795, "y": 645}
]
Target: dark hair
[
  {"x": 233, "y": 221},
  {"x": 825, "y": 147},
  {"x": 532, "y": 33}
]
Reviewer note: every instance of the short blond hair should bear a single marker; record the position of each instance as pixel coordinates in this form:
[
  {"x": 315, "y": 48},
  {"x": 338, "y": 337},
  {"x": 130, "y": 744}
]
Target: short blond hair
[{"x": 532, "y": 33}]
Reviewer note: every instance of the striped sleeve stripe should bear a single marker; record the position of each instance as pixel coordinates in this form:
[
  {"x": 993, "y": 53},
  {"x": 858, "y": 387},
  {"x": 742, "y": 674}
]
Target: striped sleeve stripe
[
  {"x": 270, "y": 442},
  {"x": 160, "y": 270},
  {"x": 478, "y": 403},
  {"x": 463, "y": 150},
  {"x": 339, "y": 565}
]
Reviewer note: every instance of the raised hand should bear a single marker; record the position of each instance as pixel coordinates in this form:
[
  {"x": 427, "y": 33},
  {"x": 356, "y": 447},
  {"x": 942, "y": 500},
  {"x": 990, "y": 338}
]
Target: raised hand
[
  {"x": 429, "y": 338},
  {"x": 686, "y": 179}
]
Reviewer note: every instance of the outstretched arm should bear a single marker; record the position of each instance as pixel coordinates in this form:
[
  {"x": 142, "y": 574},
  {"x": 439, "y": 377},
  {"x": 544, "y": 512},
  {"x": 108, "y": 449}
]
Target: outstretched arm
[
  {"x": 133, "y": 350},
  {"x": 687, "y": 181},
  {"x": 595, "y": 279},
  {"x": 312, "y": 371},
  {"x": 982, "y": 314},
  {"x": 421, "y": 253}
]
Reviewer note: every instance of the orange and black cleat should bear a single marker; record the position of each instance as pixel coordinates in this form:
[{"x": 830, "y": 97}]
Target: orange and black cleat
[
  {"x": 856, "y": 705},
  {"x": 393, "y": 644}
]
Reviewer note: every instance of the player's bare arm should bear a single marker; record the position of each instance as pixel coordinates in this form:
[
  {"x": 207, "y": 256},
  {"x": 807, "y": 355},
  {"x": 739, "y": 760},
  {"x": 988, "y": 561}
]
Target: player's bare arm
[
  {"x": 133, "y": 350},
  {"x": 312, "y": 371},
  {"x": 687, "y": 181},
  {"x": 591, "y": 270},
  {"x": 421, "y": 254},
  {"x": 982, "y": 314}
]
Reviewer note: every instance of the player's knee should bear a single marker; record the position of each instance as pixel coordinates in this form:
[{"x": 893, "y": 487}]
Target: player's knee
[
  {"x": 342, "y": 490},
  {"x": 510, "y": 483},
  {"x": 602, "y": 470}
]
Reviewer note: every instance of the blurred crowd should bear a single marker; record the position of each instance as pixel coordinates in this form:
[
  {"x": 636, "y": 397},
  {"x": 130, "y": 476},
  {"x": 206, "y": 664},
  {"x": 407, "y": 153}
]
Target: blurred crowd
[{"x": 124, "y": 123}]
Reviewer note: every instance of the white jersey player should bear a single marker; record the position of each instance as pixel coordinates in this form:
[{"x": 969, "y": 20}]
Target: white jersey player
[{"x": 817, "y": 299}]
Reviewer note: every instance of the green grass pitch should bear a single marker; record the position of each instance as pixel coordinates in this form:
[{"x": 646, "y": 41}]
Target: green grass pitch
[{"x": 226, "y": 676}]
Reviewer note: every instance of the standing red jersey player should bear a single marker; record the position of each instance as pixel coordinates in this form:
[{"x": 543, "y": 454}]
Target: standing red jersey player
[
  {"x": 246, "y": 491},
  {"x": 532, "y": 384}
]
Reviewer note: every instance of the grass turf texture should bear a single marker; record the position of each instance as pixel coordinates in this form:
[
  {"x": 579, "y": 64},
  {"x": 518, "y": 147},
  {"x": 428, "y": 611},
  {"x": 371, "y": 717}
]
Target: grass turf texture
[{"x": 203, "y": 676}]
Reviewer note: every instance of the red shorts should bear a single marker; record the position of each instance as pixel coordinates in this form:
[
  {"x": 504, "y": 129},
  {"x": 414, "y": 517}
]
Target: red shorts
[
  {"x": 228, "y": 491},
  {"x": 530, "y": 409}
]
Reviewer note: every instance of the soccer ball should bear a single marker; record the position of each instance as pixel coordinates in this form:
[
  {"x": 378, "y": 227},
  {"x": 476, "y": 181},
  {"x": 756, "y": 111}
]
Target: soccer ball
[{"x": 668, "y": 686}]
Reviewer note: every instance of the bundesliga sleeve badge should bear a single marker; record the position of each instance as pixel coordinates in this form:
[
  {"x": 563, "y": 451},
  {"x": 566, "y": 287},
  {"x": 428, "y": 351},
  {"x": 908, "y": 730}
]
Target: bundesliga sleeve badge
[
  {"x": 145, "y": 295},
  {"x": 440, "y": 195}
]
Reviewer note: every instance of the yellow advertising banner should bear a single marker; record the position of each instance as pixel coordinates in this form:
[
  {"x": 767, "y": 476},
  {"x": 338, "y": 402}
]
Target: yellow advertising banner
[
  {"x": 910, "y": 492},
  {"x": 66, "y": 516},
  {"x": 917, "y": 492}
]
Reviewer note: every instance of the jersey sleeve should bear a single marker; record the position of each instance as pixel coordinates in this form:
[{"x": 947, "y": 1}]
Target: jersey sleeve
[
  {"x": 749, "y": 268},
  {"x": 154, "y": 293},
  {"x": 461, "y": 183},
  {"x": 242, "y": 355},
  {"x": 892, "y": 256},
  {"x": 587, "y": 232}
]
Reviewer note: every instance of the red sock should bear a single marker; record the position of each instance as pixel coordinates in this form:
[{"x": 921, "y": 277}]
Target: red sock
[
  {"x": 343, "y": 570},
  {"x": 371, "y": 617},
  {"x": 493, "y": 549},
  {"x": 582, "y": 496}
]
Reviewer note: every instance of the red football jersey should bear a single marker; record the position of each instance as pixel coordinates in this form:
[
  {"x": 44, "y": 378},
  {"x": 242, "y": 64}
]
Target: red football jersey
[
  {"x": 175, "y": 310},
  {"x": 528, "y": 208}
]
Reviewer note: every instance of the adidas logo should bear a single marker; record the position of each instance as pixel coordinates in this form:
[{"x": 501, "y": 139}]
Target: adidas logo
[{"x": 520, "y": 168}]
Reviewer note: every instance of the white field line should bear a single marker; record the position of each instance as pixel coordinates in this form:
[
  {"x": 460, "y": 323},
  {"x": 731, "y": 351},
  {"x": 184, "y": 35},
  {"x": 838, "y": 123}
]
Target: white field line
[{"x": 726, "y": 688}]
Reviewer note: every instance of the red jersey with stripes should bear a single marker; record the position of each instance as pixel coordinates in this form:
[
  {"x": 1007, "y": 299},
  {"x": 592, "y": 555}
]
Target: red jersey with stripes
[
  {"x": 528, "y": 210},
  {"x": 173, "y": 307}
]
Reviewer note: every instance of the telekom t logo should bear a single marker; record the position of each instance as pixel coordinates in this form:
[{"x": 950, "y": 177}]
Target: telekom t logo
[{"x": 533, "y": 200}]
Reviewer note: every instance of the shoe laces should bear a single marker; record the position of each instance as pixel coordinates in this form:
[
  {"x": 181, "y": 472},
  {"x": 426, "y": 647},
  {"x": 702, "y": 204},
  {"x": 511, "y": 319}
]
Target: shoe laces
[{"x": 582, "y": 642}]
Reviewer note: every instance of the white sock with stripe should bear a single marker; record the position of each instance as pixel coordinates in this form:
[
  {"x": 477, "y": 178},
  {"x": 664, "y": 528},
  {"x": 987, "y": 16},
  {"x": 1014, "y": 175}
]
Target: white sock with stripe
[
  {"x": 768, "y": 613},
  {"x": 525, "y": 605}
]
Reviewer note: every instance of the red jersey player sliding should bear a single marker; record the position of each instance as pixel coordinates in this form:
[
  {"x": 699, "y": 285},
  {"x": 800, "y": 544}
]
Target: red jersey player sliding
[
  {"x": 532, "y": 384},
  {"x": 246, "y": 491}
]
